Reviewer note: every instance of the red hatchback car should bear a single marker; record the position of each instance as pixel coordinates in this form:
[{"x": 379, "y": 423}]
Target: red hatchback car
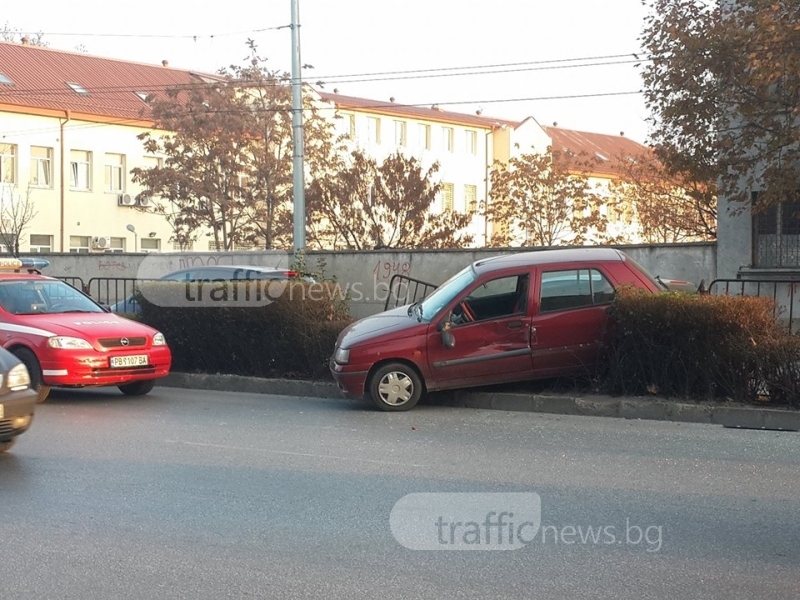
[
  {"x": 531, "y": 315},
  {"x": 66, "y": 339}
]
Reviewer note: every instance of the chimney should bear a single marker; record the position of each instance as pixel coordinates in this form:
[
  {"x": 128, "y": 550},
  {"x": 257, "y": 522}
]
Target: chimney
[
  {"x": 24, "y": 40},
  {"x": 165, "y": 63}
]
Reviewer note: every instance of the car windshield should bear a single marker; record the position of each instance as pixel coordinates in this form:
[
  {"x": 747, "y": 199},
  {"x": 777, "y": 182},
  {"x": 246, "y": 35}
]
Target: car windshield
[
  {"x": 28, "y": 297},
  {"x": 444, "y": 294}
]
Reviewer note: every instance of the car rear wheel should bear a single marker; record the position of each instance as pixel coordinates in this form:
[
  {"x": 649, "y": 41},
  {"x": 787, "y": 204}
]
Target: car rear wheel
[
  {"x": 137, "y": 388},
  {"x": 395, "y": 387},
  {"x": 6, "y": 446},
  {"x": 31, "y": 363}
]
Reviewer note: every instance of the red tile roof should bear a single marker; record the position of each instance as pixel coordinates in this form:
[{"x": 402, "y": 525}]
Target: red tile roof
[
  {"x": 408, "y": 110},
  {"x": 40, "y": 76},
  {"x": 604, "y": 151}
]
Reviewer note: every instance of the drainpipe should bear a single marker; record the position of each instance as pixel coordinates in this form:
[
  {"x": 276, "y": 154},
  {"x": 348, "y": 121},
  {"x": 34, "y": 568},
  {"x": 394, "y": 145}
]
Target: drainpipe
[{"x": 63, "y": 169}]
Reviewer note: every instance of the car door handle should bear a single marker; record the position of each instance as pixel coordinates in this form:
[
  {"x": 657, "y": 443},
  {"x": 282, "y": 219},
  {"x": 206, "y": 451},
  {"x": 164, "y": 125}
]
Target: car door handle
[{"x": 514, "y": 325}]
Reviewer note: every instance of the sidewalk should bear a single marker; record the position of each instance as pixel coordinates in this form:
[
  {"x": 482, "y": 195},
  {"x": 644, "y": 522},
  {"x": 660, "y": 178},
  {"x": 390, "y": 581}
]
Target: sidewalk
[{"x": 650, "y": 408}]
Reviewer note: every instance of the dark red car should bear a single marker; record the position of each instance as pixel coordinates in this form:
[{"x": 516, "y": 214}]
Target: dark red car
[{"x": 508, "y": 318}]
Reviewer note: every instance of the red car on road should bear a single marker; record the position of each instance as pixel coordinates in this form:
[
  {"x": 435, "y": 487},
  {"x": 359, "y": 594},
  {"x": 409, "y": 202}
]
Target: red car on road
[
  {"x": 66, "y": 339},
  {"x": 530, "y": 315}
]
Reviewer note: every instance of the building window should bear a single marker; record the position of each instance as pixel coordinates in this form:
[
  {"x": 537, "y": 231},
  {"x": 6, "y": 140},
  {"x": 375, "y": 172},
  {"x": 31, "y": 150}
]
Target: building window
[
  {"x": 41, "y": 243},
  {"x": 424, "y": 132},
  {"x": 374, "y": 129},
  {"x": 80, "y": 244},
  {"x": 471, "y": 198},
  {"x": 78, "y": 88},
  {"x": 471, "y": 142},
  {"x": 8, "y": 163},
  {"x": 776, "y": 234},
  {"x": 79, "y": 169},
  {"x": 447, "y": 197},
  {"x": 41, "y": 166},
  {"x": 8, "y": 243},
  {"x": 117, "y": 245},
  {"x": 400, "y": 133},
  {"x": 152, "y": 162},
  {"x": 347, "y": 125},
  {"x": 150, "y": 245},
  {"x": 115, "y": 168},
  {"x": 447, "y": 139}
]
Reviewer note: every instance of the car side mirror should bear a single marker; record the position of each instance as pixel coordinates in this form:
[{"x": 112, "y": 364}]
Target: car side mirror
[{"x": 448, "y": 339}]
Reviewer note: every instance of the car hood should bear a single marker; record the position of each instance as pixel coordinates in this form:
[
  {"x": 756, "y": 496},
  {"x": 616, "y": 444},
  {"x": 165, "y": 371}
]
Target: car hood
[
  {"x": 394, "y": 321},
  {"x": 89, "y": 326}
]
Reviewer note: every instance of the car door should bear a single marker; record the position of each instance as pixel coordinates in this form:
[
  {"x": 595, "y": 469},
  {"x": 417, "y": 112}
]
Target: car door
[
  {"x": 570, "y": 323},
  {"x": 490, "y": 324}
]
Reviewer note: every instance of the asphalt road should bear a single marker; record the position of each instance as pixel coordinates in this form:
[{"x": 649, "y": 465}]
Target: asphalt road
[{"x": 187, "y": 494}]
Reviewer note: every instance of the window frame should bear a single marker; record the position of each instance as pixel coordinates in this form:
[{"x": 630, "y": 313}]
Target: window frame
[
  {"x": 35, "y": 164},
  {"x": 73, "y": 171},
  {"x": 112, "y": 171},
  {"x": 589, "y": 270},
  {"x": 38, "y": 247},
  {"x": 5, "y": 158}
]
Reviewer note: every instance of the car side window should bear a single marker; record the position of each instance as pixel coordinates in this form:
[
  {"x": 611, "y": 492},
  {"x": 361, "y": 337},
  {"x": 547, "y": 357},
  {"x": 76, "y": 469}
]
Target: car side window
[
  {"x": 574, "y": 288},
  {"x": 496, "y": 298}
]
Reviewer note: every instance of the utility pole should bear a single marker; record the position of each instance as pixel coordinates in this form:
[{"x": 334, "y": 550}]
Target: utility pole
[{"x": 297, "y": 130}]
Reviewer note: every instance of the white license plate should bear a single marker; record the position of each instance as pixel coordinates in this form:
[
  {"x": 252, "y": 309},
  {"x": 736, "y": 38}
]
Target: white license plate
[
  {"x": 2, "y": 412},
  {"x": 128, "y": 361}
]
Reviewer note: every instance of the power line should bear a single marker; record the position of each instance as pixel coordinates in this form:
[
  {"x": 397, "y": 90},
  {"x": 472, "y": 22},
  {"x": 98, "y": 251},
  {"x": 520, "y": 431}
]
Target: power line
[
  {"x": 152, "y": 35},
  {"x": 339, "y": 79},
  {"x": 287, "y": 109}
]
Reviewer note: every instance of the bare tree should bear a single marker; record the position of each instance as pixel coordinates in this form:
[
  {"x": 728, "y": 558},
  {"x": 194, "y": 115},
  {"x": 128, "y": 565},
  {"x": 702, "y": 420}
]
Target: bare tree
[
  {"x": 16, "y": 213},
  {"x": 544, "y": 199},
  {"x": 9, "y": 34}
]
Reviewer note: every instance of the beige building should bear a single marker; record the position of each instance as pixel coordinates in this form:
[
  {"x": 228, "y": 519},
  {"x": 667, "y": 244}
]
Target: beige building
[{"x": 68, "y": 142}]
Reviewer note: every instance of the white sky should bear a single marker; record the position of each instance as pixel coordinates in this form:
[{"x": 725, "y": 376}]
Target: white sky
[{"x": 347, "y": 37}]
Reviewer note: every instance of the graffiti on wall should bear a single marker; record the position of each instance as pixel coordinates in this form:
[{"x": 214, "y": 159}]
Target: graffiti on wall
[{"x": 385, "y": 269}]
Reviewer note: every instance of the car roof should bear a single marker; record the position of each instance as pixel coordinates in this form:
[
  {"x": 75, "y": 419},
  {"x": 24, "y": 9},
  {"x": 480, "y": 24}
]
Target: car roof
[{"x": 547, "y": 257}]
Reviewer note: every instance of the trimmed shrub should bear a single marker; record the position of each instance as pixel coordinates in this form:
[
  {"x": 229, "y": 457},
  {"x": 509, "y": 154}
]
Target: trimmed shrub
[
  {"x": 701, "y": 346},
  {"x": 291, "y": 336}
]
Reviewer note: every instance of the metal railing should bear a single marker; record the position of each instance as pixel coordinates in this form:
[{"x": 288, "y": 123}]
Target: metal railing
[
  {"x": 782, "y": 292},
  {"x": 405, "y": 290},
  {"x": 111, "y": 290},
  {"x": 75, "y": 282}
]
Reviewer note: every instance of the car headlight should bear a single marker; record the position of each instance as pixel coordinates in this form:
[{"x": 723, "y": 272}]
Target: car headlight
[
  {"x": 342, "y": 355},
  {"x": 159, "y": 339},
  {"x": 19, "y": 378},
  {"x": 68, "y": 343}
]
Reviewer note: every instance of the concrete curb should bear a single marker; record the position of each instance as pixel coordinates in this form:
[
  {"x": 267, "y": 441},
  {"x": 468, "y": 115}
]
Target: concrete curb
[{"x": 654, "y": 409}]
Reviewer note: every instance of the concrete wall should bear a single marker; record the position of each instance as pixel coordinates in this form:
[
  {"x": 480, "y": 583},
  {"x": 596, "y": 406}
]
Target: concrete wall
[
  {"x": 367, "y": 274},
  {"x": 734, "y": 238}
]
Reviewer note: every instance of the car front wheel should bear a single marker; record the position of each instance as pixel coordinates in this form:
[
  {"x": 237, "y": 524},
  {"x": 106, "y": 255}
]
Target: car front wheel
[
  {"x": 137, "y": 388},
  {"x": 395, "y": 387},
  {"x": 31, "y": 363}
]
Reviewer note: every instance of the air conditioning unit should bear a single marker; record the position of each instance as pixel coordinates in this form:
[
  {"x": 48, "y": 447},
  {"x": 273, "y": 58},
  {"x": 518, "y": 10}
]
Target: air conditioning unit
[
  {"x": 101, "y": 242},
  {"x": 126, "y": 200},
  {"x": 142, "y": 201}
]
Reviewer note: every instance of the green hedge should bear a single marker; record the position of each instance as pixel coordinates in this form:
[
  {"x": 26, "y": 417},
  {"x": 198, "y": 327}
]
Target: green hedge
[
  {"x": 701, "y": 346},
  {"x": 292, "y": 336}
]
